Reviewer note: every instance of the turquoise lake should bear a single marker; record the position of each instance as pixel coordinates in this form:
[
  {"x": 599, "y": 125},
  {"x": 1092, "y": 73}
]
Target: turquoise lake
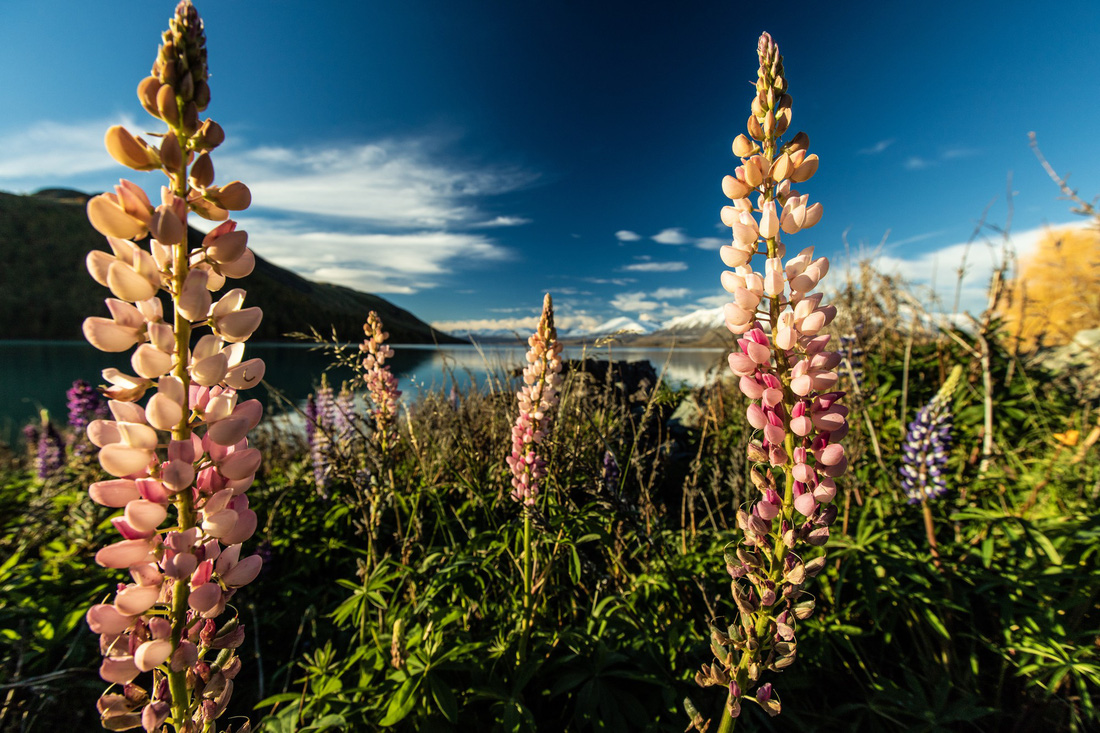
[{"x": 34, "y": 375}]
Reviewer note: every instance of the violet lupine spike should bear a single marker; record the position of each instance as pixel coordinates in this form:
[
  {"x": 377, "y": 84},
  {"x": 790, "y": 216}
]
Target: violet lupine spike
[
  {"x": 610, "y": 472},
  {"x": 787, "y": 370},
  {"x": 49, "y": 454},
  {"x": 537, "y": 397},
  {"x": 186, "y": 449},
  {"x": 343, "y": 414},
  {"x": 84, "y": 403},
  {"x": 924, "y": 452},
  {"x": 380, "y": 381},
  {"x": 311, "y": 414},
  {"x": 322, "y": 436}
]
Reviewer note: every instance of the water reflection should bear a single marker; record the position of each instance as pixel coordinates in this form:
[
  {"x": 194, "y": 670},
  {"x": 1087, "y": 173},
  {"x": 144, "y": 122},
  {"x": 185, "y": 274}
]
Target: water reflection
[{"x": 35, "y": 374}]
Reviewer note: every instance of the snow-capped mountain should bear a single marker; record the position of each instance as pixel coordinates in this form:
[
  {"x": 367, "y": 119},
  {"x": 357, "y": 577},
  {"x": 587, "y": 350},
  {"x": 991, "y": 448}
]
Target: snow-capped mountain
[
  {"x": 704, "y": 319},
  {"x": 621, "y": 324}
]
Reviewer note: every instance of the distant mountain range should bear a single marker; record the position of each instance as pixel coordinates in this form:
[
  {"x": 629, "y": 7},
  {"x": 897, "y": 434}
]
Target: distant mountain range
[
  {"x": 46, "y": 291},
  {"x": 703, "y": 328}
]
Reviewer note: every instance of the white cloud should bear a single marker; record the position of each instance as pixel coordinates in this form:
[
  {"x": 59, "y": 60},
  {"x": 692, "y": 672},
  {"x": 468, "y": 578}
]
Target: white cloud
[
  {"x": 714, "y": 301},
  {"x": 522, "y": 325},
  {"x": 877, "y": 148},
  {"x": 49, "y": 153},
  {"x": 916, "y": 238},
  {"x": 956, "y": 153},
  {"x": 672, "y": 236},
  {"x": 620, "y": 281},
  {"x": 625, "y": 235},
  {"x": 938, "y": 269},
  {"x": 711, "y": 242},
  {"x": 916, "y": 163},
  {"x": 656, "y": 267},
  {"x": 634, "y": 303},
  {"x": 404, "y": 262},
  {"x": 674, "y": 293},
  {"x": 503, "y": 221},
  {"x": 392, "y": 183}
]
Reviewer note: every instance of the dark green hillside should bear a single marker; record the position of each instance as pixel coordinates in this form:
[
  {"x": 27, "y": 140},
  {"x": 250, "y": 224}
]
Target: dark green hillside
[{"x": 46, "y": 292}]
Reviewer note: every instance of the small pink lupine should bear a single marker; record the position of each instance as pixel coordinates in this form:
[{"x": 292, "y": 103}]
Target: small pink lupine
[
  {"x": 785, "y": 367},
  {"x": 537, "y": 397},
  {"x": 381, "y": 383},
  {"x": 185, "y": 451}
]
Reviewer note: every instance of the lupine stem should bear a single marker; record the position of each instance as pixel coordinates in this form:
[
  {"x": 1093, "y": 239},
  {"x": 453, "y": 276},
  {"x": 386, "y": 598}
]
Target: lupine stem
[
  {"x": 727, "y": 722},
  {"x": 528, "y": 600},
  {"x": 177, "y": 680}
]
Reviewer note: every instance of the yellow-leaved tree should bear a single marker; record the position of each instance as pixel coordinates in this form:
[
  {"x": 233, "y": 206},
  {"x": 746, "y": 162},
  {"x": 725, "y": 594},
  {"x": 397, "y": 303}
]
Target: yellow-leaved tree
[{"x": 1057, "y": 292}]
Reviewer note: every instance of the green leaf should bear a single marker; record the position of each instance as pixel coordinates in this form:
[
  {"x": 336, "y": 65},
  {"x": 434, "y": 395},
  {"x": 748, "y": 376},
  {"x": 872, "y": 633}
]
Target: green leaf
[
  {"x": 275, "y": 699},
  {"x": 332, "y": 720},
  {"x": 444, "y": 699},
  {"x": 401, "y": 704},
  {"x": 1047, "y": 547}
]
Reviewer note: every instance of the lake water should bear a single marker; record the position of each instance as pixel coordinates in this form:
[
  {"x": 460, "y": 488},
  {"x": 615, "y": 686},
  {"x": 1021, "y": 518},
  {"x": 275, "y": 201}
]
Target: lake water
[{"x": 34, "y": 375}]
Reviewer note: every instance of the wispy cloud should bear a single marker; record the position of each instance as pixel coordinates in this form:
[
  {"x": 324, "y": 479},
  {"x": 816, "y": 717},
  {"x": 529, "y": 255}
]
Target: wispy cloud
[
  {"x": 502, "y": 221},
  {"x": 877, "y": 148},
  {"x": 711, "y": 242},
  {"x": 404, "y": 262},
  {"x": 956, "y": 153},
  {"x": 672, "y": 236},
  {"x": 634, "y": 303},
  {"x": 390, "y": 183},
  {"x": 656, "y": 267},
  {"x": 916, "y": 163},
  {"x": 620, "y": 281},
  {"x": 654, "y": 306},
  {"x": 49, "y": 153},
  {"x": 625, "y": 235},
  {"x": 521, "y": 325},
  {"x": 915, "y": 238},
  {"x": 938, "y": 269}
]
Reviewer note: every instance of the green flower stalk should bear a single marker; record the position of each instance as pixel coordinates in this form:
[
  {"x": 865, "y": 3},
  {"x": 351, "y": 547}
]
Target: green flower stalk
[
  {"x": 181, "y": 462},
  {"x": 785, "y": 368}
]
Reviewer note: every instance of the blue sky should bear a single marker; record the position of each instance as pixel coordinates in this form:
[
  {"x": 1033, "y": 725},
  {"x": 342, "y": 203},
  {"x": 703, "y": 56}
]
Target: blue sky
[{"x": 462, "y": 158}]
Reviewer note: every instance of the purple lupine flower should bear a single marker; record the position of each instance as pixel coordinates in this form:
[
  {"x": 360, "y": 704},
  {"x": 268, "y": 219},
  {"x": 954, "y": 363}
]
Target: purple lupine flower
[
  {"x": 50, "y": 454},
  {"x": 85, "y": 404},
  {"x": 321, "y": 437},
  {"x": 610, "y": 471},
  {"x": 343, "y": 414},
  {"x": 311, "y": 419},
  {"x": 924, "y": 459}
]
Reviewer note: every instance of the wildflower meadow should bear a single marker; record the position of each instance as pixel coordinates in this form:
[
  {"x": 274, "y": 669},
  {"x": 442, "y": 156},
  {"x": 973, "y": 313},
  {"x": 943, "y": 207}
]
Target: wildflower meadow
[{"x": 870, "y": 517}]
